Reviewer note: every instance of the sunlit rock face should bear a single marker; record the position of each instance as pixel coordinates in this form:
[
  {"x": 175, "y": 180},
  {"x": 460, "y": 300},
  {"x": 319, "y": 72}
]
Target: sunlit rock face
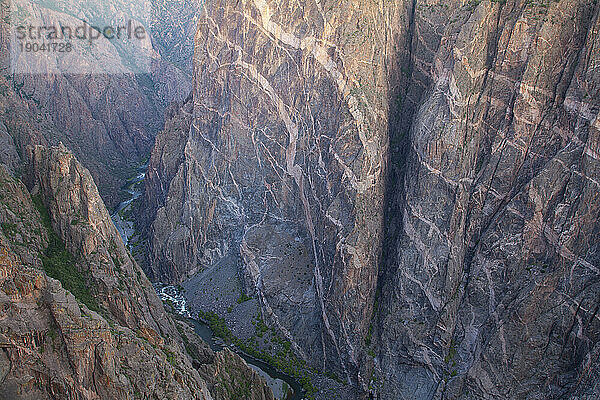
[
  {"x": 283, "y": 165},
  {"x": 436, "y": 160}
]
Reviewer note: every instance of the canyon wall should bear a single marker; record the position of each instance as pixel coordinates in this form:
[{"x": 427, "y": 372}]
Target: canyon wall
[
  {"x": 281, "y": 166},
  {"x": 491, "y": 289},
  {"x": 108, "y": 110},
  {"x": 79, "y": 319},
  {"x": 410, "y": 189}
]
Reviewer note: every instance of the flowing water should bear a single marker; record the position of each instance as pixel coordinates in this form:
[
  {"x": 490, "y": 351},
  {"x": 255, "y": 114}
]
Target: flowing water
[
  {"x": 284, "y": 387},
  {"x": 133, "y": 188}
]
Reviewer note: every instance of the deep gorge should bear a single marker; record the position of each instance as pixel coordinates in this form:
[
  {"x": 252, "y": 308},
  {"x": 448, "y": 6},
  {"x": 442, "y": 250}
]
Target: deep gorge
[{"x": 382, "y": 199}]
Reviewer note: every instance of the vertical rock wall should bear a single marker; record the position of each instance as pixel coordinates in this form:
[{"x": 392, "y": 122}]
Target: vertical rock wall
[{"x": 474, "y": 123}]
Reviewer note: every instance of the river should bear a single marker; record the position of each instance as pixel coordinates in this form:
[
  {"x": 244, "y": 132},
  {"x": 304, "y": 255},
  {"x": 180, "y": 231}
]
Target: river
[
  {"x": 133, "y": 189},
  {"x": 283, "y": 387}
]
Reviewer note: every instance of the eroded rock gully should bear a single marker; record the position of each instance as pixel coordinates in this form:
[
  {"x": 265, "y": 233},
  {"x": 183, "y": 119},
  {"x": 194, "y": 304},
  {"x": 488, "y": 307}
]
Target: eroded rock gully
[{"x": 438, "y": 160}]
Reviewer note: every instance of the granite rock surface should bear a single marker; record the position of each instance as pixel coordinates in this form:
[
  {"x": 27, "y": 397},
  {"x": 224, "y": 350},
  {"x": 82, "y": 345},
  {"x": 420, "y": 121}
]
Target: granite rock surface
[{"x": 409, "y": 188}]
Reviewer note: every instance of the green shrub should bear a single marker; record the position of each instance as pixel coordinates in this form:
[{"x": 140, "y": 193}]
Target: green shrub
[
  {"x": 284, "y": 360},
  {"x": 9, "y": 229},
  {"x": 369, "y": 336},
  {"x": 243, "y": 298},
  {"x": 60, "y": 264},
  {"x": 170, "y": 357}
]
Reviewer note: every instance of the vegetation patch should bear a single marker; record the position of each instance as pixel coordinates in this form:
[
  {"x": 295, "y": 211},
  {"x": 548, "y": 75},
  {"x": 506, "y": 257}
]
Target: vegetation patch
[
  {"x": 243, "y": 298},
  {"x": 451, "y": 362},
  {"x": 234, "y": 385},
  {"x": 9, "y": 229},
  {"x": 284, "y": 360},
  {"x": 60, "y": 264},
  {"x": 170, "y": 357}
]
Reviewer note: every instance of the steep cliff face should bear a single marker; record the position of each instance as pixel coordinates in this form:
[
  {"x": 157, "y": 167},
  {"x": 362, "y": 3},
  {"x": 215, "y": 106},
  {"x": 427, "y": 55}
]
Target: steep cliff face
[
  {"x": 494, "y": 289},
  {"x": 80, "y": 218},
  {"x": 108, "y": 118},
  {"x": 79, "y": 318},
  {"x": 173, "y": 24},
  {"x": 476, "y": 123},
  {"x": 164, "y": 163},
  {"x": 283, "y": 166},
  {"x": 52, "y": 344},
  {"x": 231, "y": 378},
  {"x": 21, "y": 124},
  {"x": 8, "y": 151}
]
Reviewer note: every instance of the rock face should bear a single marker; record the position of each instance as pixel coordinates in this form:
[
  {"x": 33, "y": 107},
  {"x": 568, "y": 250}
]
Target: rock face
[
  {"x": 99, "y": 331},
  {"x": 491, "y": 290},
  {"x": 164, "y": 164},
  {"x": 108, "y": 120},
  {"x": 52, "y": 345},
  {"x": 232, "y": 379},
  {"x": 475, "y": 123},
  {"x": 79, "y": 217},
  {"x": 8, "y": 151},
  {"x": 285, "y": 154}
]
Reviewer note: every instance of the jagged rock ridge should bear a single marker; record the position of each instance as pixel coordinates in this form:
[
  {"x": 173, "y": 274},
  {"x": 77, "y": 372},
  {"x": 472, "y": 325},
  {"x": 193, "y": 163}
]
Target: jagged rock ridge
[{"x": 114, "y": 340}]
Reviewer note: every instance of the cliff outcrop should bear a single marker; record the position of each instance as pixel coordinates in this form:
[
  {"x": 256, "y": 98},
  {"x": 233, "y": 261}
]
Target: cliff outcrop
[{"x": 80, "y": 320}]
